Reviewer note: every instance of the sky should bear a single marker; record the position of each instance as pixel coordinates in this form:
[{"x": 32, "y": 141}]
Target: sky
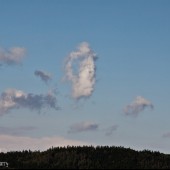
[{"x": 84, "y": 73}]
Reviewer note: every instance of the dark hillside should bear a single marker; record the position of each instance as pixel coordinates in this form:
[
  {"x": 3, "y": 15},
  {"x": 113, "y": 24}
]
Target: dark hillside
[{"x": 86, "y": 157}]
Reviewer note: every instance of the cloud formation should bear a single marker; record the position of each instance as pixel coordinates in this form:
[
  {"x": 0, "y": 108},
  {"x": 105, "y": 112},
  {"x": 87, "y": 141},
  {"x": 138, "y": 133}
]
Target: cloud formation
[
  {"x": 19, "y": 143},
  {"x": 15, "y": 99},
  {"x": 16, "y": 130},
  {"x": 46, "y": 77},
  {"x": 110, "y": 130},
  {"x": 80, "y": 70},
  {"x": 12, "y": 56},
  {"x": 83, "y": 126},
  {"x": 137, "y": 106},
  {"x": 166, "y": 135}
]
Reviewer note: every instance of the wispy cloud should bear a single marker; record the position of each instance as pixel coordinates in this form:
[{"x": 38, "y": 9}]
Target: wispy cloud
[
  {"x": 83, "y": 126},
  {"x": 15, "y": 99},
  {"x": 16, "y": 130},
  {"x": 12, "y": 56},
  {"x": 137, "y": 106},
  {"x": 166, "y": 135},
  {"x": 80, "y": 70},
  {"x": 46, "y": 77},
  {"x": 19, "y": 143},
  {"x": 111, "y": 129}
]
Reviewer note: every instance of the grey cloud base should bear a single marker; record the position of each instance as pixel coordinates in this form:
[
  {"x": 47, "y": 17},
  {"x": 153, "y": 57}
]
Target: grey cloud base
[
  {"x": 83, "y": 126},
  {"x": 43, "y": 75},
  {"x": 16, "y": 99},
  {"x": 12, "y": 56},
  {"x": 137, "y": 106}
]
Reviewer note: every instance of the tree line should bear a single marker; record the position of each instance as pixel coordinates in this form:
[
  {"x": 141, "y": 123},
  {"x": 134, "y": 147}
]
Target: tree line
[{"x": 86, "y": 157}]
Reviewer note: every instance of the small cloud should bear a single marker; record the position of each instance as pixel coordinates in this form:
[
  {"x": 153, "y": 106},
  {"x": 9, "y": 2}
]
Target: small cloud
[
  {"x": 46, "y": 77},
  {"x": 83, "y": 126},
  {"x": 137, "y": 106},
  {"x": 16, "y": 130},
  {"x": 110, "y": 130},
  {"x": 166, "y": 135},
  {"x": 16, "y": 99},
  {"x": 80, "y": 70},
  {"x": 13, "y": 56}
]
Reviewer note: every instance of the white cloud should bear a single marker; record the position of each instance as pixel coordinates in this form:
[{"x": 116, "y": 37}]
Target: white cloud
[
  {"x": 15, "y": 99},
  {"x": 13, "y": 56},
  {"x": 83, "y": 126},
  {"x": 80, "y": 71},
  {"x": 19, "y": 143},
  {"x": 137, "y": 106},
  {"x": 43, "y": 75}
]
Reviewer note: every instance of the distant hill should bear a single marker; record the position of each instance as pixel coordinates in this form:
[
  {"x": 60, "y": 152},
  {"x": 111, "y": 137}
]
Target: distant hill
[{"x": 86, "y": 157}]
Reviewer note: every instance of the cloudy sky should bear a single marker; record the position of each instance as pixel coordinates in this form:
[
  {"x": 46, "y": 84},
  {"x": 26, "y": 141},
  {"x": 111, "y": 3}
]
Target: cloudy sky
[{"x": 84, "y": 73}]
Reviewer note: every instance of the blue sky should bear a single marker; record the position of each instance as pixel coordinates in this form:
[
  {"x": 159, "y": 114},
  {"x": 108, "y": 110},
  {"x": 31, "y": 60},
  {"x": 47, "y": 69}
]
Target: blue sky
[{"x": 123, "y": 101}]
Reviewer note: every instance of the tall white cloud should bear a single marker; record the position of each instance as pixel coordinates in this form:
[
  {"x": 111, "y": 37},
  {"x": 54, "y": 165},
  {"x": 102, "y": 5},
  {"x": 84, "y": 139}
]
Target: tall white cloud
[
  {"x": 12, "y": 56},
  {"x": 83, "y": 126},
  {"x": 80, "y": 70},
  {"x": 19, "y": 143},
  {"x": 137, "y": 106},
  {"x": 15, "y": 99},
  {"x": 43, "y": 75}
]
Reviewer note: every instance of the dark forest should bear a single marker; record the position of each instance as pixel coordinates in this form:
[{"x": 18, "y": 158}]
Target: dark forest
[{"x": 86, "y": 157}]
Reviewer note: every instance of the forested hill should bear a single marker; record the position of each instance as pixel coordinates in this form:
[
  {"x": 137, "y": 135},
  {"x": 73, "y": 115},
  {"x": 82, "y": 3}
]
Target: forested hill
[{"x": 86, "y": 157}]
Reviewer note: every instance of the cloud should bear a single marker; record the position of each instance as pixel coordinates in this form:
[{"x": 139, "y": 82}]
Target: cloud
[
  {"x": 43, "y": 75},
  {"x": 80, "y": 70},
  {"x": 110, "y": 130},
  {"x": 166, "y": 135},
  {"x": 137, "y": 106},
  {"x": 12, "y": 56},
  {"x": 19, "y": 143},
  {"x": 83, "y": 126},
  {"x": 16, "y": 130},
  {"x": 16, "y": 99}
]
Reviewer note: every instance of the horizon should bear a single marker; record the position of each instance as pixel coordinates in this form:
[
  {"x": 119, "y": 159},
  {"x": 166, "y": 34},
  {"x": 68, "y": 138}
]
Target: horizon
[{"x": 97, "y": 146}]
